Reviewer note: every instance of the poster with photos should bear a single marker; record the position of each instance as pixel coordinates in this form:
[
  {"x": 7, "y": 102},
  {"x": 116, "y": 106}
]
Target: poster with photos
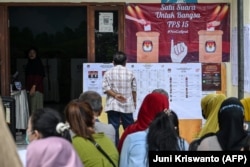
[{"x": 181, "y": 81}]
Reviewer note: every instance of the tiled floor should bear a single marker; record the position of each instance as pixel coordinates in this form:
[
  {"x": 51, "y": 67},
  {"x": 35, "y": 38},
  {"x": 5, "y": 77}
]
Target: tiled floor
[
  {"x": 21, "y": 146},
  {"x": 20, "y": 140}
]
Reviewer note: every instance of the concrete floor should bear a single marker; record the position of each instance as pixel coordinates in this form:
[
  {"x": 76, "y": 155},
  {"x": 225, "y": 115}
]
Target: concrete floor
[
  {"x": 21, "y": 134},
  {"x": 21, "y": 146}
]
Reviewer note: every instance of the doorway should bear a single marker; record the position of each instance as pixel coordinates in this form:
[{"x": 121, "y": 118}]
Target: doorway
[
  {"x": 60, "y": 35},
  {"x": 64, "y": 41}
]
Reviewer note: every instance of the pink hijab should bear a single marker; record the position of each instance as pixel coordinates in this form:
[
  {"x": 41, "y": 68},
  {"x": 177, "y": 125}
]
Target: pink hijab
[
  {"x": 152, "y": 104},
  {"x": 52, "y": 152}
]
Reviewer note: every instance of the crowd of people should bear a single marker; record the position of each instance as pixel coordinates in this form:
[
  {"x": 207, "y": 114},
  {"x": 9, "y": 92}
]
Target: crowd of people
[{"x": 78, "y": 138}]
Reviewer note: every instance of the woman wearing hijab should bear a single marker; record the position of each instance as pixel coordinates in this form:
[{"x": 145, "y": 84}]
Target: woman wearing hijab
[
  {"x": 231, "y": 134},
  {"x": 246, "y": 104},
  {"x": 161, "y": 135},
  {"x": 210, "y": 105},
  {"x": 34, "y": 79},
  {"x": 49, "y": 141},
  {"x": 152, "y": 104},
  {"x": 52, "y": 152}
]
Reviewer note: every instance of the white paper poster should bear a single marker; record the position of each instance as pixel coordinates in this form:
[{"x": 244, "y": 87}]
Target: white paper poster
[
  {"x": 106, "y": 22},
  {"x": 234, "y": 57},
  {"x": 181, "y": 81}
]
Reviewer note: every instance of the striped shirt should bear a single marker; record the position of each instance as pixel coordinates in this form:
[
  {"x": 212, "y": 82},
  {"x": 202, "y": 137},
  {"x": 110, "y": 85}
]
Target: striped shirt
[{"x": 120, "y": 80}]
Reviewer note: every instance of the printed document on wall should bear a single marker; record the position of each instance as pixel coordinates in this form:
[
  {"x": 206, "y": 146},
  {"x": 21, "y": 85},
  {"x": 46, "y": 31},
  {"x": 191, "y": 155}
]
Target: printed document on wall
[{"x": 182, "y": 81}]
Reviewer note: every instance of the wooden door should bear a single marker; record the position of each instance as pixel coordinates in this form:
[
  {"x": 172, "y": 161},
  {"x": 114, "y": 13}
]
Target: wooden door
[
  {"x": 103, "y": 43},
  {"x": 4, "y": 53}
]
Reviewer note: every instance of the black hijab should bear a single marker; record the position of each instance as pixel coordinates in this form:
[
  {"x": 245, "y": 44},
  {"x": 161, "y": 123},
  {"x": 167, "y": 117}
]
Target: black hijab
[
  {"x": 231, "y": 134},
  {"x": 34, "y": 66}
]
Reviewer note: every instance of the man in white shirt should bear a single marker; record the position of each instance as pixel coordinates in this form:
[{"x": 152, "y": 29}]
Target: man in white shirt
[{"x": 119, "y": 83}]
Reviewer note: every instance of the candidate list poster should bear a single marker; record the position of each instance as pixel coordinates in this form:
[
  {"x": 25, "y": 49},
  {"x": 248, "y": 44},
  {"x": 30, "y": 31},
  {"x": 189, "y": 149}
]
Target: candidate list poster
[{"x": 181, "y": 81}]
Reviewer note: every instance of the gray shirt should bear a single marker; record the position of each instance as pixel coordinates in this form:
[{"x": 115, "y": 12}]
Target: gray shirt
[
  {"x": 100, "y": 127},
  {"x": 107, "y": 129},
  {"x": 210, "y": 143}
]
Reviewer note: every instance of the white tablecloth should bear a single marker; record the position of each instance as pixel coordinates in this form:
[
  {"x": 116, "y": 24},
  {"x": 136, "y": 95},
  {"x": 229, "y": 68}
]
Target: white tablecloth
[{"x": 22, "y": 109}]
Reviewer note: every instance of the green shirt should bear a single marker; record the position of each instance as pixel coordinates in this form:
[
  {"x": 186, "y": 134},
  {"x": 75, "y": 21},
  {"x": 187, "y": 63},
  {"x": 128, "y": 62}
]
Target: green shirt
[{"x": 91, "y": 156}]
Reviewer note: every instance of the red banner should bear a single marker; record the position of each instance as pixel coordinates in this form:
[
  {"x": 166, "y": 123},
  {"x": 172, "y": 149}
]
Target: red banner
[{"x": 178, "y": 32}]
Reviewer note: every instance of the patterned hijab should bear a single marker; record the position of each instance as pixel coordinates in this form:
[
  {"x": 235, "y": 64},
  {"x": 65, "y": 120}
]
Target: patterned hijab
[
  {"x": 152, "y": 104},
  {"x": 246, "y": 104},
  {"x": 231, "y": 132},
  {"x": 210, "y": 105},
  {"x": 52, "y": 152}
]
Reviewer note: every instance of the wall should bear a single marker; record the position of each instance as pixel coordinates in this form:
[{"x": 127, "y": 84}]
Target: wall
[
  {"x": 103, "y": 1},
  {"x": 231, "y": 90},
  {"x": 246, "y": 20}
]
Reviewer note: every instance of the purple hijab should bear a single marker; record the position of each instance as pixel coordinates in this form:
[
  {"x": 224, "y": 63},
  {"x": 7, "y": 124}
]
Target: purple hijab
[{"x": 52, "y": 152}]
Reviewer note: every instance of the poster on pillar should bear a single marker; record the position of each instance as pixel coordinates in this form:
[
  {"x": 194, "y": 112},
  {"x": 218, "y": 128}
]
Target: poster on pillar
[{"x": 177, "y": 32}]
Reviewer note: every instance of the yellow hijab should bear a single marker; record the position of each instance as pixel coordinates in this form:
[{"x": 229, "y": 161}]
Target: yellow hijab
[
  {"x": 246, "y": 103},
  {"x": 210, "y": 105}
]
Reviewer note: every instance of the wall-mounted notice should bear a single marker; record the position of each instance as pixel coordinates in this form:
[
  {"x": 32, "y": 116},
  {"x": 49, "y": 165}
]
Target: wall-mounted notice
[
  {"x": 106, "y": 22},
  {"x": 234, "y": 61},
  {"x": 181, "y": 81},
  {"x": 211, "y": 77}
]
